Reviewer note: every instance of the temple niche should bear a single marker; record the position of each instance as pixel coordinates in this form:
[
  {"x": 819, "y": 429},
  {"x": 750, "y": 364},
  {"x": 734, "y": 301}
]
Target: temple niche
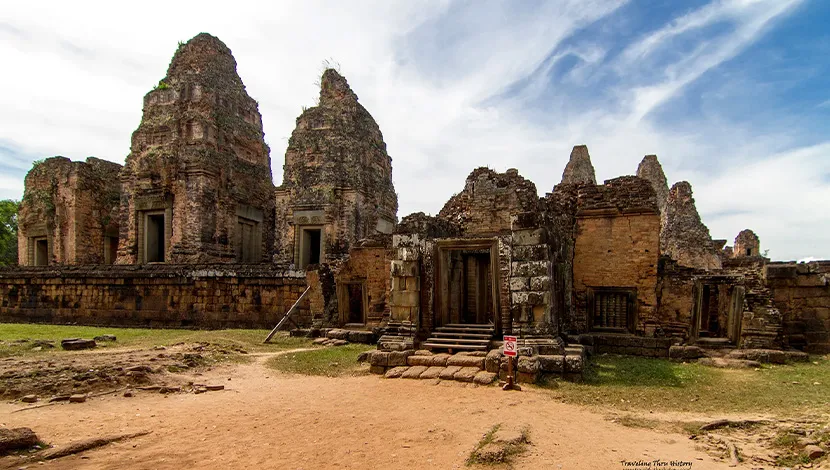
[
  {"x": 196, "y": 186},
  {"x": 337, "y": 182},
  {"x": 69, "y": 213}
]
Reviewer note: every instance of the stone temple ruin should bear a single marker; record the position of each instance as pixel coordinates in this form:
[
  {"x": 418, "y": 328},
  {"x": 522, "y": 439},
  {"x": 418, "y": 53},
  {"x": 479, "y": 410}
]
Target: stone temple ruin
[{"x": 191, "y": 232}]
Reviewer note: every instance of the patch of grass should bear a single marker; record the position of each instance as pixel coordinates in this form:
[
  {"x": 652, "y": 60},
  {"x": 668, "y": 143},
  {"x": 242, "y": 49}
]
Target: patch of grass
[
  {"x": 249, "y": 340},
  {"x": 330, "y": 362},
  {"x": 631, "y": 421},
  {"x": 489, "y": 451},
  {"x": 634, "y": 383}
]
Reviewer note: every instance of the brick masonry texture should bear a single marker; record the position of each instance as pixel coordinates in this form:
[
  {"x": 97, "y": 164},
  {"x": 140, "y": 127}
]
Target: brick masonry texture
[{"x": 209, "y": 296}]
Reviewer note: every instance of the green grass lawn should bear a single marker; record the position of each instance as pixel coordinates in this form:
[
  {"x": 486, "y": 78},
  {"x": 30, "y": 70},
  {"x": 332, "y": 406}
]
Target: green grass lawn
[
  {"x": 330, "y": 362},
  {"x": 641, "y": 384},
  {"x": 250, "y": 340}
]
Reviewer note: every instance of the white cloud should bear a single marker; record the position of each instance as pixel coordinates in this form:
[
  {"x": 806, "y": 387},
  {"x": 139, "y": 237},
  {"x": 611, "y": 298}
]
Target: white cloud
[{"x": 433, "y": 74}]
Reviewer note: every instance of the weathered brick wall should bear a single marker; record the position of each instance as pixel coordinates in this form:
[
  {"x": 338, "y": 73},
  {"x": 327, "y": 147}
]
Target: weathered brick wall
[
  {"x": 369, "y": 265},
  {"x": 206, "y": 296},
  {"x": 802, "y": 294},
  {"x": 199, "y": 156},
  {"x": 617, "y": 245},
  {"x": 74, "y": 205}
]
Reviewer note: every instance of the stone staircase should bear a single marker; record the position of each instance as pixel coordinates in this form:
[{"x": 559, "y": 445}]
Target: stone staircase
[{"x": 460, "y": 337}]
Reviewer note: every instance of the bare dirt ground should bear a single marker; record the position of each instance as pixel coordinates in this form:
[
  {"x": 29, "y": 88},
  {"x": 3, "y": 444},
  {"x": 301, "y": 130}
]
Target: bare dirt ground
[{"x": 266, "y": 419}]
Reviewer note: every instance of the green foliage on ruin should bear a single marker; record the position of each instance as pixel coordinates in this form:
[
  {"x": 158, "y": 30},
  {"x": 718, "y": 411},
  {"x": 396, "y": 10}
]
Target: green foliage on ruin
[
  {"x": 8, "y": 232},
  {"x": 161, "y": 86}
]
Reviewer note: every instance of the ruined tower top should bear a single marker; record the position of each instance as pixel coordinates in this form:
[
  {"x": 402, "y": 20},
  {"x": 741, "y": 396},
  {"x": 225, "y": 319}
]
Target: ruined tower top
[
  {"x": 205, "y": 59},
  {"x": 334, "y": 89},
  {"x": 651, "y": 170},
  {"x": 746, "y": 244},
  {"x": 579, "y": 168},
  {"x": 684, "y": 237}
]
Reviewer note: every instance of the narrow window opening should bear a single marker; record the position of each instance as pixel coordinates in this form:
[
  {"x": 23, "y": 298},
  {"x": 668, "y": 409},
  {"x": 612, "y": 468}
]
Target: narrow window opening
[
  {"x": 41, "y": 252},
  {"x": 155, "y": 243}
]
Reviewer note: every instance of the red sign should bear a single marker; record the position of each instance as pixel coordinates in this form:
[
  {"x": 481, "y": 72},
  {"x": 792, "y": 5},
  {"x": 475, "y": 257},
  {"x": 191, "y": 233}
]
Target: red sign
[{"x": 510, "y": 346}]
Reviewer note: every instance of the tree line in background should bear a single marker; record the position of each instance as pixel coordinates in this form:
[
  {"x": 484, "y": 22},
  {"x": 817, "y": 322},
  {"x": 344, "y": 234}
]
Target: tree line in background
[{"x": 8, "y": 232}]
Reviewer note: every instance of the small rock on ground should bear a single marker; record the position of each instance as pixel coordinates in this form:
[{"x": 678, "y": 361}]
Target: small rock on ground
[
  {"x": 814, "y": 452},
  {"x": 29, "y": 399},
  {"x": 104, "y": 338},
  {"x": 16, "y": 438},
  {"x": 77, "y": 398},
  {"x": 214, "y": 388},
  {"x": 74, "y": 344}
]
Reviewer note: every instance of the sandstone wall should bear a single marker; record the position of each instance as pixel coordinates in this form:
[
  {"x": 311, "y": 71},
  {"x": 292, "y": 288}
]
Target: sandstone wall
[
  {"x": 676, "y": 298},
  {"x": 617, "y": 246},
  {"x": 802, "y": 294},
  {"x": 75, "y": 206},
  {"x": 204, "y": 296}
]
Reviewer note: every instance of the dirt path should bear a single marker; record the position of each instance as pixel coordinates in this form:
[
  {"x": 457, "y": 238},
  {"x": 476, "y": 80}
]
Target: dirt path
[{"x": 268, "y": 420}]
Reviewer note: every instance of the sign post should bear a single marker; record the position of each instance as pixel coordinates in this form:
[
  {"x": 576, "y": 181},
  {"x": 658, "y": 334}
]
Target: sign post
[{"x": 510, "y": 351}]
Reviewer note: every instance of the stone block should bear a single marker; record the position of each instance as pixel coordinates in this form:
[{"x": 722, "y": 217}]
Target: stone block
[
  {"x": 399, "y": 358},
  {"x": 491, "y": 361},
  {"x": 440, "y": 360},
  {"x": 529, "y": 365},
  {"x": 337, "y": 333},
  {"x": 554, "y": 364},
  {"x": 405, "y": 298},
  {"x": 419, "y": 360},
  {"x": 526, "y": 378},
  {"x": 540, "y": 283},
  {"x": 686, "y": 352},
  {"x": 16, "y": 438},
  {"x": 379, "y": 370},
  {"x": 525, "y": 221},
  {"x": 530, "y": 252},
  {"x": 404, "y": 268},
  {"x": 574, "y": 364},
  {"x": 466, "y": 374},
  {"x": 414, "y": 372},
  {"x": 408, "y": 254},
  {"x": 529, "y": 237},
  {"x": 449, "y": 372},
  {"x": 423, "y": 352},
  {"x": 466, "y": 361},
  {"x": 395, "y": 372},
  {"x": 379, "y": 358},
  {"x": 519, "y": 283},
  {"x": 363, "y": 337},
  {"x": 432, "y": 372},
  {"x": 74, "y": 344},
  {"x": 484, "y": 378}
]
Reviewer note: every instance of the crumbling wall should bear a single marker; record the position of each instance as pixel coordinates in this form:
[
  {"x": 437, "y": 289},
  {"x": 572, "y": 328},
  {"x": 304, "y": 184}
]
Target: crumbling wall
[
  {"x": 368, "y": 264},
  {"x": 532, "y": 265},
  {"x": 802, "y": 293},
  {"x": 762, "y": 322},
  {"x": 675, "y": 298},
  {"x": 684, "y": 237},
  {"x": 205, "y": 296},
  {"x": 74, "y": 205},
  {"x": 489, "y": 201},
  {"x": 199, "y": 157},
  {"x": 337, "y": 175},
  {"x": 617, "y": 246}
]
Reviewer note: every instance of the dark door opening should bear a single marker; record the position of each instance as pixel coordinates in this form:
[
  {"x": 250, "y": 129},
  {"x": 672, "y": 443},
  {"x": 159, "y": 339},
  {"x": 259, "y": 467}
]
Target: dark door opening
[
  {"x": 154, "y": 247},
  {"x": 41, "y": 252},
  {"x": 311, "y": 245},
  {"x": 110, "y": 249},
  {"x": 471, "y": 297},
  {"x": 356, "y": 311}
]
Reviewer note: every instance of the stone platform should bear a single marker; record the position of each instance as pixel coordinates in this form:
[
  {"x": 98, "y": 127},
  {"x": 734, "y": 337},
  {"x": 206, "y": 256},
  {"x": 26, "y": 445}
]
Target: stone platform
[{"x": 476, "y": 366}]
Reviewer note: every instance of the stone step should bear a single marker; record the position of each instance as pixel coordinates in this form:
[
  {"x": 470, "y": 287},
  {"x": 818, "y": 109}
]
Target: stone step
[
  {"x": 473, "y": 326},
  {"x": 459, "y": 340},
  {"x": 457, "y": 373},
  {"x": 446, "y": 329},
  {"x": 448, "y": 334},
  {"x": 467, "y": 347}
]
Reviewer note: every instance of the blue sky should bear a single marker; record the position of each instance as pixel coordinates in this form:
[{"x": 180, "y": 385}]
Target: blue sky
[{"x": 731, "y": 95}]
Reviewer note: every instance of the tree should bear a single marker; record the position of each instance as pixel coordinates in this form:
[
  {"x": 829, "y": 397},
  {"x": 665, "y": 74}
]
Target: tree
[{"x": 8, "y": 232}]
